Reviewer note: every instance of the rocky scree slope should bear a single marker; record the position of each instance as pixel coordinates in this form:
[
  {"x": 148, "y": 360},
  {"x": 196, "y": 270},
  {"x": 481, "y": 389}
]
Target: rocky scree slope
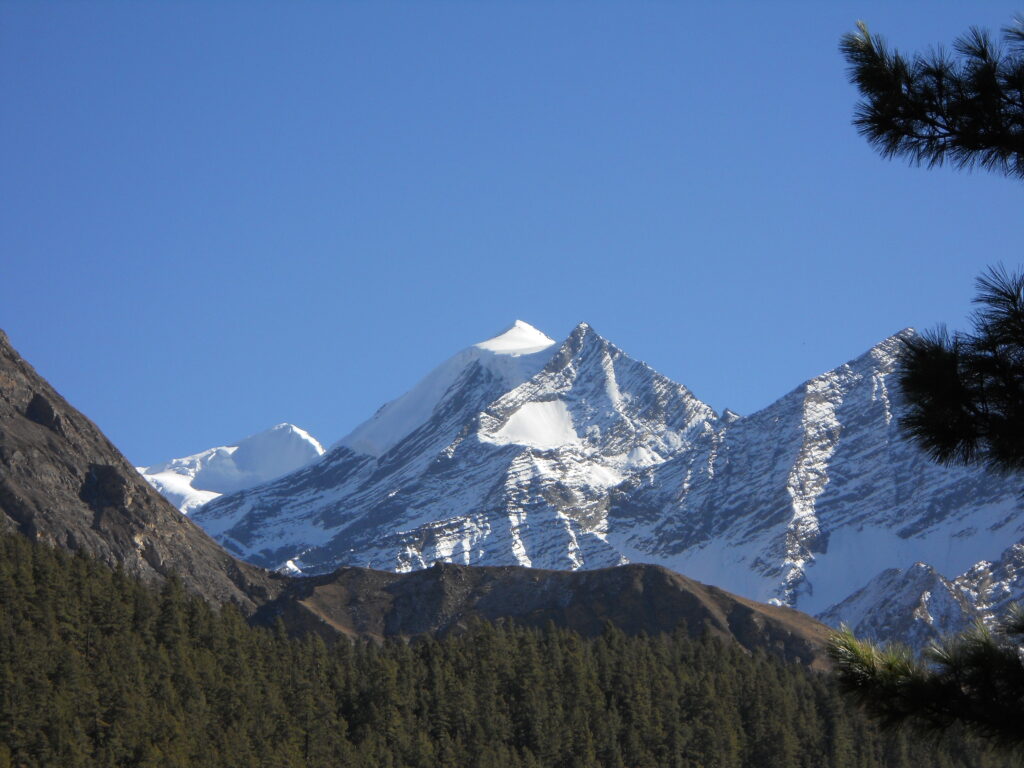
[{"x": 523, "y": 451}]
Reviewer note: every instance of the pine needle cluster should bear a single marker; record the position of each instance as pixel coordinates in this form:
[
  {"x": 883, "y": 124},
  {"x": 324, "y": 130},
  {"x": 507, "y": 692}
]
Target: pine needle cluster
[
  {"x": 965, "y": 391},
  {"x": 966, "y": 108},
  {"x": 974, "y": 680}
]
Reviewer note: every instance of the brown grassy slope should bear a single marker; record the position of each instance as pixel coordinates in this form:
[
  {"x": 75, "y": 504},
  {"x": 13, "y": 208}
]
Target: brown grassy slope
[{"x": 636, "y": 598}]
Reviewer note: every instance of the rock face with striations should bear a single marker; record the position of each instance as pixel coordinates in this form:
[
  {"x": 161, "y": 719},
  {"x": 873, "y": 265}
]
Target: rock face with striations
[{"x": 64, "y": 483}]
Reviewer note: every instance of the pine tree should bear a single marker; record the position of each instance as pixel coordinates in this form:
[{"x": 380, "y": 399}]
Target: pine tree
[
  {"x": 967, "y": 109},
  {"x": 178, "y": 683},
  {"x": 964, "y": 391}
]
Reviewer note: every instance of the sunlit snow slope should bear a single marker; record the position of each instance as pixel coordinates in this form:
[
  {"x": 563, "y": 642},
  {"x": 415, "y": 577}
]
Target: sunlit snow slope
[
  {"x": 192, "y": 481},
  {"x": 519, "y": 450}
]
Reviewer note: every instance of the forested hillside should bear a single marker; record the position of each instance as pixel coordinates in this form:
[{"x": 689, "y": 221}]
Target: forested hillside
[{"x": 98, "y": 670}]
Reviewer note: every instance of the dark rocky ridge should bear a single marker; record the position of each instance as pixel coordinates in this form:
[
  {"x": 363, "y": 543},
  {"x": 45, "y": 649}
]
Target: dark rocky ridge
[
  {"x": 63, "y": 482},
  {"x": 360, "y": 602}
]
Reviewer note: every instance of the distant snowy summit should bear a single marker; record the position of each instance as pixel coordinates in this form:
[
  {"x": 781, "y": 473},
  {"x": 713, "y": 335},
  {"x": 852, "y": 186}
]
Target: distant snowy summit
[{"x": 192, "y": 481}]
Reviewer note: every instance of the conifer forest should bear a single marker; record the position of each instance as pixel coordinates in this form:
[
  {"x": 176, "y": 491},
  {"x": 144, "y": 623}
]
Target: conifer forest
[{"x": 97, "y": 669}]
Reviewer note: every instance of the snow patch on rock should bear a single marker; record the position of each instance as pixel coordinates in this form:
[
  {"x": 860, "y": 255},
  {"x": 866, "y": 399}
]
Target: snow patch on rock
[{"x": 544, "y": 425}]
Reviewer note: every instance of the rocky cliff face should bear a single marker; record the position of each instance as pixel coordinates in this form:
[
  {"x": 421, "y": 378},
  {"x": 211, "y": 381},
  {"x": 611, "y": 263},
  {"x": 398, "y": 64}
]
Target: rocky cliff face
[
  {"x": 576, "y": 456},
  {"x": 63, "y": 482}
]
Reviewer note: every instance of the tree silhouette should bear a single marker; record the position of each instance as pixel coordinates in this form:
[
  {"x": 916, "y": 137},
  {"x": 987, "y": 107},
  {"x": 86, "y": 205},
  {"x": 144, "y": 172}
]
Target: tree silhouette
[
  {"x": 964, "y": 391},
  {"x": 967, "y": 108}
]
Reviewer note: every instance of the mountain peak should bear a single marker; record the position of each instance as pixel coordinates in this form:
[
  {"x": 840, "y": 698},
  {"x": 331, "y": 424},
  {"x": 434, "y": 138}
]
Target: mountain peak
[
  {"x": 520, "y": 338},
  {"x": 898, "y": 337},
  {"x": 584, "y": 339},
  {"x": 585, "y": 336},
  {"x": 507, "y": 360},
  {"x": 290, "y": 429},
  {"x": 884, "y": 355},
  {"x": 194, "y": 480}
]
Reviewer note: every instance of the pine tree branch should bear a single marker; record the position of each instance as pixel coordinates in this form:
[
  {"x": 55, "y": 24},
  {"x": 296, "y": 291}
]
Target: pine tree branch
[
  {"x": 974, "y": 680},
  {"x": 967, "y": 110}
]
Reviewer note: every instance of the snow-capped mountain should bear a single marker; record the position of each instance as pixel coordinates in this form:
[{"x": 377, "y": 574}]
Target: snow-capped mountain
[
  {"x": 500, "y": 364},
  {"x": 805, "y": 501},
  {"x": 519, "y": 450},
  {"x": 192, "y": 481},
  {"x": 512, "y": 463},
  {"x": 914, "y": 604}
]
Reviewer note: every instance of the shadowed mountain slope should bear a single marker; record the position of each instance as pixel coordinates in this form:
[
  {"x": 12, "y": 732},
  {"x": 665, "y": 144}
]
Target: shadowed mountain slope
[
  {"x": 649, "y": 599},
  {"x": 63, "y": 482}
]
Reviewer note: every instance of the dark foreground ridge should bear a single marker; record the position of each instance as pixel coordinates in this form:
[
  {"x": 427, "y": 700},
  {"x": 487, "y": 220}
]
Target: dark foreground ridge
[
  {"x": 63, "y": 482},
  {"x": 447, "y": 598}
]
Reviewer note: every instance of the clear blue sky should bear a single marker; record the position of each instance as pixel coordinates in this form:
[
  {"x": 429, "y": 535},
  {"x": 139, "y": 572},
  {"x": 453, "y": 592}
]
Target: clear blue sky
[{"x": 219, "y": 216}]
